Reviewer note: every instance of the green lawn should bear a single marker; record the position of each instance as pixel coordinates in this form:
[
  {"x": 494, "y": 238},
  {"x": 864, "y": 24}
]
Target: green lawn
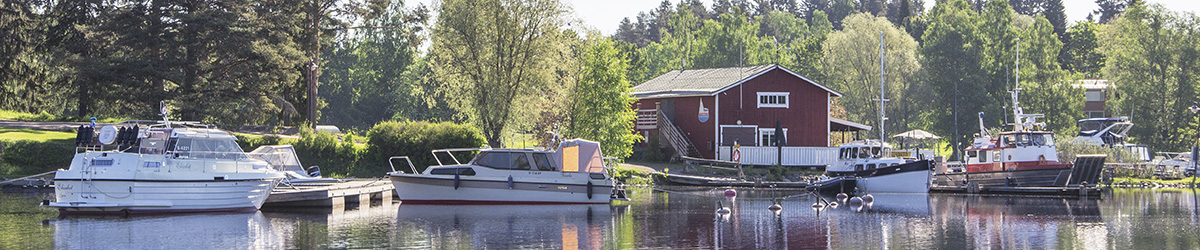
[{"x": 14, "y": 134}]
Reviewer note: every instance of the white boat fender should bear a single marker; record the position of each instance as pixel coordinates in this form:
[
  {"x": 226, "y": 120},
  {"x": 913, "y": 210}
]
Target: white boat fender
[
  {"x": 510, "y": 182},
  {"x": 842, "y": 197},
  {"x": 456, "y": 180},
  {"x": 775, "y": 207},
  {"x": 817, "y": 205},
  {"x": 868, "y": 198},
  {"x": 730, "y": 192},
  {"x": 589, "y": 190}
]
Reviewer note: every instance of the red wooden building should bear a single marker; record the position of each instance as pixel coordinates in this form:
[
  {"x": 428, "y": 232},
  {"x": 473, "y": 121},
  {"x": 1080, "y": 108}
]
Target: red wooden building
[{"x": 701, "y": 111}]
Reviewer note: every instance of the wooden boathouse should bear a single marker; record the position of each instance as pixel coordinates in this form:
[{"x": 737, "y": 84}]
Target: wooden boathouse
[{"x": 702, "y": 113}]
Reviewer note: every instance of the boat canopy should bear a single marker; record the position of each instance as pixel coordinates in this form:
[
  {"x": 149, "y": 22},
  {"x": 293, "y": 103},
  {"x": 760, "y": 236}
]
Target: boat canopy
[{"x": 580, "y": 155}]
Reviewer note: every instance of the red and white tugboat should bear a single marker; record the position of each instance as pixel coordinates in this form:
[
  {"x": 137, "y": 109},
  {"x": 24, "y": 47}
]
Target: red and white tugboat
[{"x": 1023, "y": 157}]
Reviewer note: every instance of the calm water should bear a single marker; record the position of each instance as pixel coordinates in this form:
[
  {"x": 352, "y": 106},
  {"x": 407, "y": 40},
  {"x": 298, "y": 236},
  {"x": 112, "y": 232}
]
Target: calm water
[{"x": 1124, "y": 219}]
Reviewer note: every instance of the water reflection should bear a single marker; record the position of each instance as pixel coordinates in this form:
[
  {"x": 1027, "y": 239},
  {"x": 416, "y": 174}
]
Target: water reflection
[
  {"x": 687, "y": 219},
  {"x": 505, "y": 227}
]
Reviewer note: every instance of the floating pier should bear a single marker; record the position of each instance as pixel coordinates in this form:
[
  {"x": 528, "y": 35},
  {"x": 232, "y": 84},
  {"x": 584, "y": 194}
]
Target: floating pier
[{"x": 352, "y": 192}]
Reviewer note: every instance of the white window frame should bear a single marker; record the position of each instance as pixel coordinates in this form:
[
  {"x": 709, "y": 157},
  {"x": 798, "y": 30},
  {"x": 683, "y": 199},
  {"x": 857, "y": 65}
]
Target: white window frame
[
  {"x": 763, "y": 131},
  {"x": 1094, "y": 96},
  {"x": 787, "y": 99}
]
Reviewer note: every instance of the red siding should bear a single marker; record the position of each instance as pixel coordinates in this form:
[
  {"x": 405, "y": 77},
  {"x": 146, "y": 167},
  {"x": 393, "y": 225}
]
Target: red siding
[{"x": 806, "y": 118}]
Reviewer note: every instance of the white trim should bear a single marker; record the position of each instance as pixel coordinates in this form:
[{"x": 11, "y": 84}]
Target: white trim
[
  {"x": 758, "y": 136},
  {"x": 786, "y": 99},
  {"x": 810, "y": 81},
  {"x": 716, "y": 126},
  {"x": 828, "y": 116}
]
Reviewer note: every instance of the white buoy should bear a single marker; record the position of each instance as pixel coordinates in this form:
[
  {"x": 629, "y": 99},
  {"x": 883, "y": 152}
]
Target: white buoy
[
  {"x": 842, "y": 197},
  {"x": 721, "y": 209},
  {"x": 818, "y": 205},
  {"x": 775, "y": 207},
  {"x": 868, "y": 198},
  {"x": 855, "y": 202},
  {"x": 730, "y": 192}
]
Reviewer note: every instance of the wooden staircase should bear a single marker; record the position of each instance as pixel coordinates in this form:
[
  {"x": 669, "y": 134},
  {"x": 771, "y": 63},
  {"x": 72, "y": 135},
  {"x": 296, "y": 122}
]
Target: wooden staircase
[{"x": 678, "y": 140}]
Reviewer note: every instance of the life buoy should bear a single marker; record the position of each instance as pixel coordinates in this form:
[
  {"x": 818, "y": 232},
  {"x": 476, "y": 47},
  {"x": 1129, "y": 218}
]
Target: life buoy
[
  {"x": 737, "y": 155},
  {"x": 1042, "y": 160}
]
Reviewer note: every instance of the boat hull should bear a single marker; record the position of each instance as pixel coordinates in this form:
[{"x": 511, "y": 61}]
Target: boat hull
[
  {"x": 426, "y": 189},
  {"x": 1085, "y": 171},
  {"x": 900, "y": 182},
  {"x": 160, "y": 196}
]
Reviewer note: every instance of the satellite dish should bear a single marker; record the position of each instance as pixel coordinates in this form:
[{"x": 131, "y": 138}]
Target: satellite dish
[{"x": 108, "y": 134}]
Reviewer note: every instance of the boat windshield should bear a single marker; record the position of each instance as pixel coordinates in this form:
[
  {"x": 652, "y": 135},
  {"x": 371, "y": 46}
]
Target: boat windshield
[
  {"x": 206, "y": 148},
  {"x": 1026, "y": 140}
]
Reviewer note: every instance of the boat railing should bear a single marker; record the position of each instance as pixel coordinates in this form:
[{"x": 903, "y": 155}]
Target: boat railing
[
  {"x": 410, "y": 164},
  {"x": 450, "y": 151}
]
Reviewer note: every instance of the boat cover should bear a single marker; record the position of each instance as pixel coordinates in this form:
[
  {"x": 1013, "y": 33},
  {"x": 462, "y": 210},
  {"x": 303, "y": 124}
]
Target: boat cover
[{"x": 580, "y": 155}]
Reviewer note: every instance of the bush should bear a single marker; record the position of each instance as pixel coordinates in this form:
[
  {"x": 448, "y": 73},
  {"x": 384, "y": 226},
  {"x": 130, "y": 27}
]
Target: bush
[
  {"x": 416, "y": 140},
  {"x": 26, "y": 157},
  {"x": 250, "y": 143},
  {"x": 320, "y": 148}
]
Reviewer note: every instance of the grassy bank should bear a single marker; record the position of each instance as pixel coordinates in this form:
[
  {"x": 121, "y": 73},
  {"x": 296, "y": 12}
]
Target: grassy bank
[
  {"x": 1144, "y": 182},
  {"x": 26, "y": 152},
  {"x": 47, "y": 117}
]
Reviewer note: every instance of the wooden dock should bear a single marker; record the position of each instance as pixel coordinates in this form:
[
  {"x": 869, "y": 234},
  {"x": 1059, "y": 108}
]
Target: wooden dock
[
  {"x": 354, "y": 192},
  {"x": 693, "y": 180}
]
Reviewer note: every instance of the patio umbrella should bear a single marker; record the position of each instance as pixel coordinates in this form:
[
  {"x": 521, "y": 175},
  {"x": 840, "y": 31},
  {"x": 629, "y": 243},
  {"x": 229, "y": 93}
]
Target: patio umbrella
[{"x": 917, "y": 134}]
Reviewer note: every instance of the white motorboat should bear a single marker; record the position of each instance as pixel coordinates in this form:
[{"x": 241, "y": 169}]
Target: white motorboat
[
  {"x": 572, "y": 174},
  {"x": 877, "y": 172},
  {"x": 161, "y": 166}
]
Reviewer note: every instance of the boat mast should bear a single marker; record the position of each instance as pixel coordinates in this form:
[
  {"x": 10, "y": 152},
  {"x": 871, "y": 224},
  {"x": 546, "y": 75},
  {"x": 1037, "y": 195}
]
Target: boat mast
[{"x": 882, "y": 117}]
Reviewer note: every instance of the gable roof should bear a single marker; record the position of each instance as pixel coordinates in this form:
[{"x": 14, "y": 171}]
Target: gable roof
[{"x": 694, "y": 82}]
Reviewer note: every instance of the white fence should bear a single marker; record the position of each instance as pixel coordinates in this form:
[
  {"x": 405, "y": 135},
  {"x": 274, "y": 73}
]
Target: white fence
[{"x": 792, "y": 156}]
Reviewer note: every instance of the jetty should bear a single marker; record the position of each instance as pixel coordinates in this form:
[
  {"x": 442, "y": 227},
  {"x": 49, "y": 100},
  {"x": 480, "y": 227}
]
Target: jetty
[{"x": 352, "y": 192}]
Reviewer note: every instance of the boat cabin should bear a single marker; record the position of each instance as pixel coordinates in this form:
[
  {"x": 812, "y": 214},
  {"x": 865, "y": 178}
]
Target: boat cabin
[{"x": 1013, "y": 151}]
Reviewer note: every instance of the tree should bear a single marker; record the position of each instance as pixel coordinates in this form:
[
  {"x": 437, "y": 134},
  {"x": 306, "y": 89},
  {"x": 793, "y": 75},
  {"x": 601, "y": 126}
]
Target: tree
[
  {"x": 854, "y": 70},
  {"x": 1109, "y": 9},
  {"x": 489, "y": 53},
  {"x": 21, "y": 73},
  {"x": 602, "y": 108},
  {"x": 366, "y": 70},
  {"x": 1082, "y": 50},
  {"x": 952, "y": 58},
  {"x": 1047, "y": 87},
  {"x": 322, "y": 19},
  {"x": 1151, "y": 56},
  {"x": 840, "y": 10}
]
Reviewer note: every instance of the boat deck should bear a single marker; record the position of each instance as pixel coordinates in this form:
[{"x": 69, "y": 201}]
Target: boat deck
[{"x": 354, "y": 192}]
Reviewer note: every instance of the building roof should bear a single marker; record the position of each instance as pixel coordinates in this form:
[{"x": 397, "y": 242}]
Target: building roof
[
  {"x": 697, "y": 82},
  {"x": 1091, "y": 84},
  {"x": 836, "y": 124}
]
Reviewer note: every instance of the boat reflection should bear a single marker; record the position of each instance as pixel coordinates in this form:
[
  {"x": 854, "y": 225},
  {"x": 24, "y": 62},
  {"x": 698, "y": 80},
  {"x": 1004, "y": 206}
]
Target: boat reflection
[
  {"x": 1019, "y": 221},
  {"x": 192, "y": 231},
  {"x": 505, "y": 226}
]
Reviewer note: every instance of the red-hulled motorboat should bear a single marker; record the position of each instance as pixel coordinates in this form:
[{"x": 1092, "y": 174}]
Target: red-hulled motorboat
[{"x": 1023, "y": 157}]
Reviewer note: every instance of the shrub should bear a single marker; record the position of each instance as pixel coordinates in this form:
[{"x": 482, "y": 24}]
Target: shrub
[
  {"x": 320, "y": 148},
  {"x": 416, "y": 140}
]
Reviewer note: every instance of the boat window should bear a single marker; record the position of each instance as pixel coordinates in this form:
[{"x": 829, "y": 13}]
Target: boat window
[
  {"x": 1037, "y": 140},
  {"x": 215, "y": 149},
  {"x": 972, "y": 154},
  {"x": 1048, "y": 139},
  {"x": 876, "y": 151},
  {"x": 1007, "y": 141},
  {"x": 180, "y": 147},
  {"x": 520, "y": 162},
  {"x": 497, "y": 160},
  {"x": 863, "y": 153},
  {"x": 983, "y": 157},
  {"x": 452, "y": 171},
  {"x": 858, "y": 167},
  {"x": 542, "y": 161},
  {"x": 870, "y": 166}
]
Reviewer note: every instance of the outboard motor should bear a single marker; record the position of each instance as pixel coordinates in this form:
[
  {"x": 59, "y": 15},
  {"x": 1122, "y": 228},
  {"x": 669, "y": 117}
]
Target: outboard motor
[{"x": 314, "y": 171}]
